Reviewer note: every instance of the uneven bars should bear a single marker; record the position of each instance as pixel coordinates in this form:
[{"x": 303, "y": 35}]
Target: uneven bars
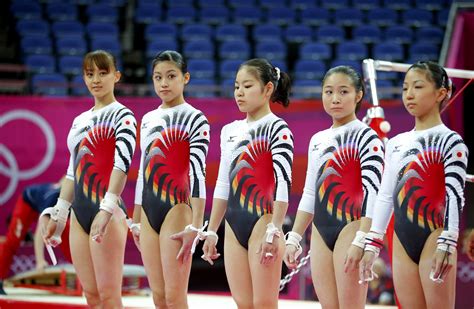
[
  {"x": 369, "y": 67},
  {"x": 403, "y": 67}
]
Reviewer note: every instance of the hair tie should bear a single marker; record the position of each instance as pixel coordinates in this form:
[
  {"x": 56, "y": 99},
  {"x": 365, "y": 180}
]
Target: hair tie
[{"x": 277, "y": 69}]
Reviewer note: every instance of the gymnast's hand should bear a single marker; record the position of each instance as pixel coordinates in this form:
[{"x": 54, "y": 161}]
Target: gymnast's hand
[
  {"x": 186, "y": 238},
  {"x": 99, "y": 225},
  {"x": 268, "y": 251},
  {"x": 366, "y": 265},
  {"x": 290, "y": 256},
  {"x": 47, "y": 228},
  {"x": 443, "y": 262},
  {"x": 210, "y": 250},
  {"x": 353, "y": 257}
]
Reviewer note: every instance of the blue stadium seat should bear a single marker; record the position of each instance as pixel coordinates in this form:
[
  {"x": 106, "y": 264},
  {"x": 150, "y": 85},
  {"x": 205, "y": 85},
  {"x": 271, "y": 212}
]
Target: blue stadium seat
[
  {"x": 26, "y": 10},
  {"x": 97, "y": 30},
  {"x": 280, "y": 16},
  {"x": 214, "y": 15},
  {"x": 367, "y": 34},
  {"x": 298, "y": 34},
  {"x": 399, "y": 5},
  {"x": 228, "y": 68},
  {"x": 334, "y": 4},
  {"x": 274, "y": 50},
  {"x": 306, "y": 89},
  {"x": 234, "y": 50},
  {"x": 382, "y": 17},
  {"x": 266, "y": 32},
  {"x": 111, "y": 45},
  {"x": 315, "y": 51},
  {"x": 231, "y": 32},
  {"x": 384, "y": 89},
  {"x": 193, "y": 32},
  {"x": 367, "y": 5},
  {"x": 280, "y": 63},
  {"x": 180, "y": 3},
  {"x": 352, "y": 50},
  {"x": 430, "y": 34},
  {"x": 68, "y": 29},
  {"x": 113, "y": 3},
  {"x": 247, "y": 15},
  {"x": 78, "y": 87},
  {"x": 33, "y": 28},
  {"x": 442, "y": 17},
  {"x": 417, "y": 18},
  {"x": 356, "y": 65},
  {"x": 181, "y": 15},
  {"x": 70, "y": 65},
  {"x": 242, "y": 3},
  {"x": 389, "y": 51},
  {"x": 330, "y": 34},
  {"x": 52, "y": 84},
  {"x": 161, "y": 31},
  {"x": 148, "y": 13},
  {"x": 61, "y": 11},
  {"x": 424, "y": 51},
  {"x": 302, "y": 4},
  {"x": 268, "y": 4},
  {"x": 430, "y": 5},
  {"x": 227, "y": 87},
  {"x": 202, "y": 68},
  {"x": 211, "y": 3},
  {"x": 71, "y": 46},
  {"x": 154, "y": 47},
  {"x": 40, "y": 63},
  {"x": 37, "y": 45},
  {"x": 202, "y": 49},
  {"x": 309, "y": 69},
  {"x": 399, "y": 34},
  {"x": 102, "y": 13},
  {"x": 200, "y": 88},
  {"x": 348, "y": 17},
  {"x": 315, "y": 17}
]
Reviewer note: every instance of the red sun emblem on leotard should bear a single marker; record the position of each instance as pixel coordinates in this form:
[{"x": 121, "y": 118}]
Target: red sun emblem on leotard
[
  {"x": 341, "y": 185},
  {"x": 423, "y": 190},
  {"x": 167, "y": 165},
  {"x": 96, "y": 160},
  {"x": 255, "y": 178}
]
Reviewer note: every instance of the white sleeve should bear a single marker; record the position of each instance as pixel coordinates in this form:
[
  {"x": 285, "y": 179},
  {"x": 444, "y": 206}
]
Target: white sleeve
[
  {"x": 139, "y": 185},
  {"x": 282, "y": 156},
  {"x": 309, "y": 194},
  {"x": 198, "y": 148},
  {"x": 383, "y": 208},
  {"x": 70, "y": 168},
  {"x": 455, "y": 164},
  {"x": 371, "y": 153},
  {"x": 125, "y": 139},
  {"x": 222, "y": 184}
]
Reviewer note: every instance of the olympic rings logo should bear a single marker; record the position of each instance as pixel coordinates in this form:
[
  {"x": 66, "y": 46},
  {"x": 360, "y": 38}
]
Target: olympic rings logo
[
  {"x": 12, "y": 170},
  {"x": 465, "y": 271}
]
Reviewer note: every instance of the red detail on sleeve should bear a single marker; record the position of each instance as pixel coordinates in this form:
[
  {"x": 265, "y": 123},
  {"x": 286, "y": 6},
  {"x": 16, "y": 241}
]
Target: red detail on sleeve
[
  {"x": 376, "y": 148},
  {"x": 459, "y": 154}
]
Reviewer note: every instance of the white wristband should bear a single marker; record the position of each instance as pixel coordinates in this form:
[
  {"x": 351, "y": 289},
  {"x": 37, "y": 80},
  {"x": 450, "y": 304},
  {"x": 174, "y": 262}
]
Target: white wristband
[
  {"x": 200, "y": 234},
  {"x": 109, "y": 202},
  {"x": 294, "y": 239},
  {"x": 373, "y": 242},
  {"x": 211, "y": 233},
  {"x": 272, "y": 231},
  {"x": 359, "y": 240},
  {"x": 447, "y": 241},
  {"x": 61, "y": 211},
  {"x": 58, "y": 213},
  {"x": 134, "y": 228}
]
